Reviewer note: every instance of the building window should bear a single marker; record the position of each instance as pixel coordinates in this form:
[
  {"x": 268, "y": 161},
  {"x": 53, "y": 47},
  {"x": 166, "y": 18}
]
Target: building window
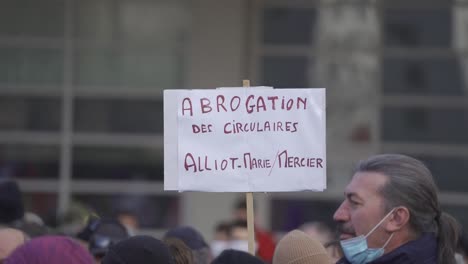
[
  {"x": 283, "y": 43},
  {"x": 82, "y": 81},
  {"x": 424, "y": 90}
]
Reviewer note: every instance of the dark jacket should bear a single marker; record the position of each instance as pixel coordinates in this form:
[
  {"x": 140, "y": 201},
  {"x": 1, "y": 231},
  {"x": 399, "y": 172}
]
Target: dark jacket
[{"x": 420, "y": 251}]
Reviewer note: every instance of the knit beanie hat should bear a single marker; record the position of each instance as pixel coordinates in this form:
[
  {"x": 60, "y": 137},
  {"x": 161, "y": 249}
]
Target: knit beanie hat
[
  {"x": 11, "y": 202},
  {"x": 139, "y": 249},
  {"x": 297, "y": 247},
  {"x": 50, "y": 250},
  {"x": 231, "y": 256}
]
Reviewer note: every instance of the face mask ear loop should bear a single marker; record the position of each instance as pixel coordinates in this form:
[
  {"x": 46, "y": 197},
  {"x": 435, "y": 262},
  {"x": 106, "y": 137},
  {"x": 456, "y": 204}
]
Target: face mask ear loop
[
  {"x": 388, "y": 240},
  {"x": 378, "y": 224}
]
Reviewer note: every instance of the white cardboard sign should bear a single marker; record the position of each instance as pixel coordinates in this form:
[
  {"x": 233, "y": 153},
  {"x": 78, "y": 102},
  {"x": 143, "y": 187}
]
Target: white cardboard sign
[{"x": 245, "y": 140}]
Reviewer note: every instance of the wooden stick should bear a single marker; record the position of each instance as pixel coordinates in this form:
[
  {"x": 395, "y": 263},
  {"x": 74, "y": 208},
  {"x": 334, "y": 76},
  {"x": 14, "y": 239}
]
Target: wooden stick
[
  {"x": 250, "y": 222},
  {"x": 249, "y": 206}
]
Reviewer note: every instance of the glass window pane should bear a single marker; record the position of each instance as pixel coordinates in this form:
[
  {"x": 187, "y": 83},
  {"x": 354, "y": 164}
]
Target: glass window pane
[
  {"x": 119, "y": 115},
  {"x": 431, "y": 76},
  {"x": 42, "y": 204},
  {"x": 418, "y": 27},
  {"x": 131, "y": 44},
  {"x": 43, "y": 18},
  {"x": 449, "y": 172},
  {"x": 29, "y": 162},
  {"x": 283, "y": 26},
  {"x": 29, "y": 113},
  {"x": 425, "y": 125},
  {"x": 118, "y": 163},
  {"x": 97, "y": 67},
  {"x": 139, "y": 69},
  {"x": 31, "y": 66},
  {"x": 151, "y": 211},
  {"x": 94, "y": 19},
  {"x": 290, "y": 214},
  {"x": 153, "y": 21},
  {"x": 285, "y": 72},
  {"x": 143, "y": 22}
]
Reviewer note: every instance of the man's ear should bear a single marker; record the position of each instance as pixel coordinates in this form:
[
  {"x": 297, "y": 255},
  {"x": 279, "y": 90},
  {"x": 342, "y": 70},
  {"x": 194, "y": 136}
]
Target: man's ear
[{"x": 399, "y": 219}]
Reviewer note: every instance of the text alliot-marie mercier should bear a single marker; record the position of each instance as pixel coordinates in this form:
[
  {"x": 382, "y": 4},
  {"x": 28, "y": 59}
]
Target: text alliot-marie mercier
[{"x": 282, "y": 159}]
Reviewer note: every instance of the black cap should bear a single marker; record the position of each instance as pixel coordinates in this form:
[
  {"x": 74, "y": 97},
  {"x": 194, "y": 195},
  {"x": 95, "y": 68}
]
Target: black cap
[
  {"x": 231, "y": 256},
  {"x": 139, "y": 249}
]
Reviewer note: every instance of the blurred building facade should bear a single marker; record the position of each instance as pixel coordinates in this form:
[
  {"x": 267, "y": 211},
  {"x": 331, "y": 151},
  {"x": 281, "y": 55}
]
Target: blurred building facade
[{"x": 81, "y": 86}]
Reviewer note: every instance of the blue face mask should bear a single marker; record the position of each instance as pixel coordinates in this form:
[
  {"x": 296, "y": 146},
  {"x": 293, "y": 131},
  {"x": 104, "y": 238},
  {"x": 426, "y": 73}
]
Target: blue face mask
[{"x": 356, "y": 250}]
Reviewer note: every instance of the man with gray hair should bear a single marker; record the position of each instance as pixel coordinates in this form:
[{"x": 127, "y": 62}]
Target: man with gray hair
[{"x": 391, "y": 214}]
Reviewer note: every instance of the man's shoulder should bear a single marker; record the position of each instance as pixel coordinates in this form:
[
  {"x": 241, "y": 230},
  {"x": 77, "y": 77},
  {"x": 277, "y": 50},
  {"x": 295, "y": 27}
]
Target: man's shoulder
[{"x": 419, "y": 251}]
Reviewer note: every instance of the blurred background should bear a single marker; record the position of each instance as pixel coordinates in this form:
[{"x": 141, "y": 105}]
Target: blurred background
[{"x": 81, "y": 81}]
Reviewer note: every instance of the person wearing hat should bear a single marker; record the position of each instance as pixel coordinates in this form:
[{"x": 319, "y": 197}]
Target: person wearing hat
[
  {"x": 50, "y": 250},
  {"x": 194, "y": 240},
  {"x": 105, "y": 233},
  {"x": 296, "y": 247},
  {"x": 180, "y": 251},
  {"x": 139, "y": 250},
  {"x": 232, "y": 256}
]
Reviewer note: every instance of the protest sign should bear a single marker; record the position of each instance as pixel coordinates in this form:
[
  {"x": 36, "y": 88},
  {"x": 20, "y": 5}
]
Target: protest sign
[{"x": 245, "y": 140}]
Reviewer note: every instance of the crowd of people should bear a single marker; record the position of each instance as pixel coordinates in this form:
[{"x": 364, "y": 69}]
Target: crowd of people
[{"x": 391, "y": 214}]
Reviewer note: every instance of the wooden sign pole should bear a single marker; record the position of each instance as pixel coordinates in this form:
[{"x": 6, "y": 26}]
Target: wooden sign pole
[{"x": 249, "y": 206}]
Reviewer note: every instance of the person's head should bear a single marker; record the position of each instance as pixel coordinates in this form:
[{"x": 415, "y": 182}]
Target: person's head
[
  {"x": 194, "y": 240},
  {"x": 222, "y": 231},
  {"x": 10, "y": 239},
  {"x": 139, "y": 249},
  {"x": 129, "y": 220},
  {"x": 74, "y": 218},
  {"x": 33, "y": 229},
  {"x": 11, "y": 202},
  {"x": 89, "y": 228},
  {"x": 240, "y": 210},
  {"x": 395, "y": 197},
  {"x": 323, "y": 233},
  {"x": 231, "y": 256},
  {"x": 221, "y": 238},
  {"x": 50, "y": 250},
  {"x": 296, "y": 247},
  {"x": 239, "y": 230},
  {"x": 318, "y": 230},
  {"x": 180, "y": 251},
  {"x": 105, "y": 233},
  {"x": 239, "y": 236}
]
